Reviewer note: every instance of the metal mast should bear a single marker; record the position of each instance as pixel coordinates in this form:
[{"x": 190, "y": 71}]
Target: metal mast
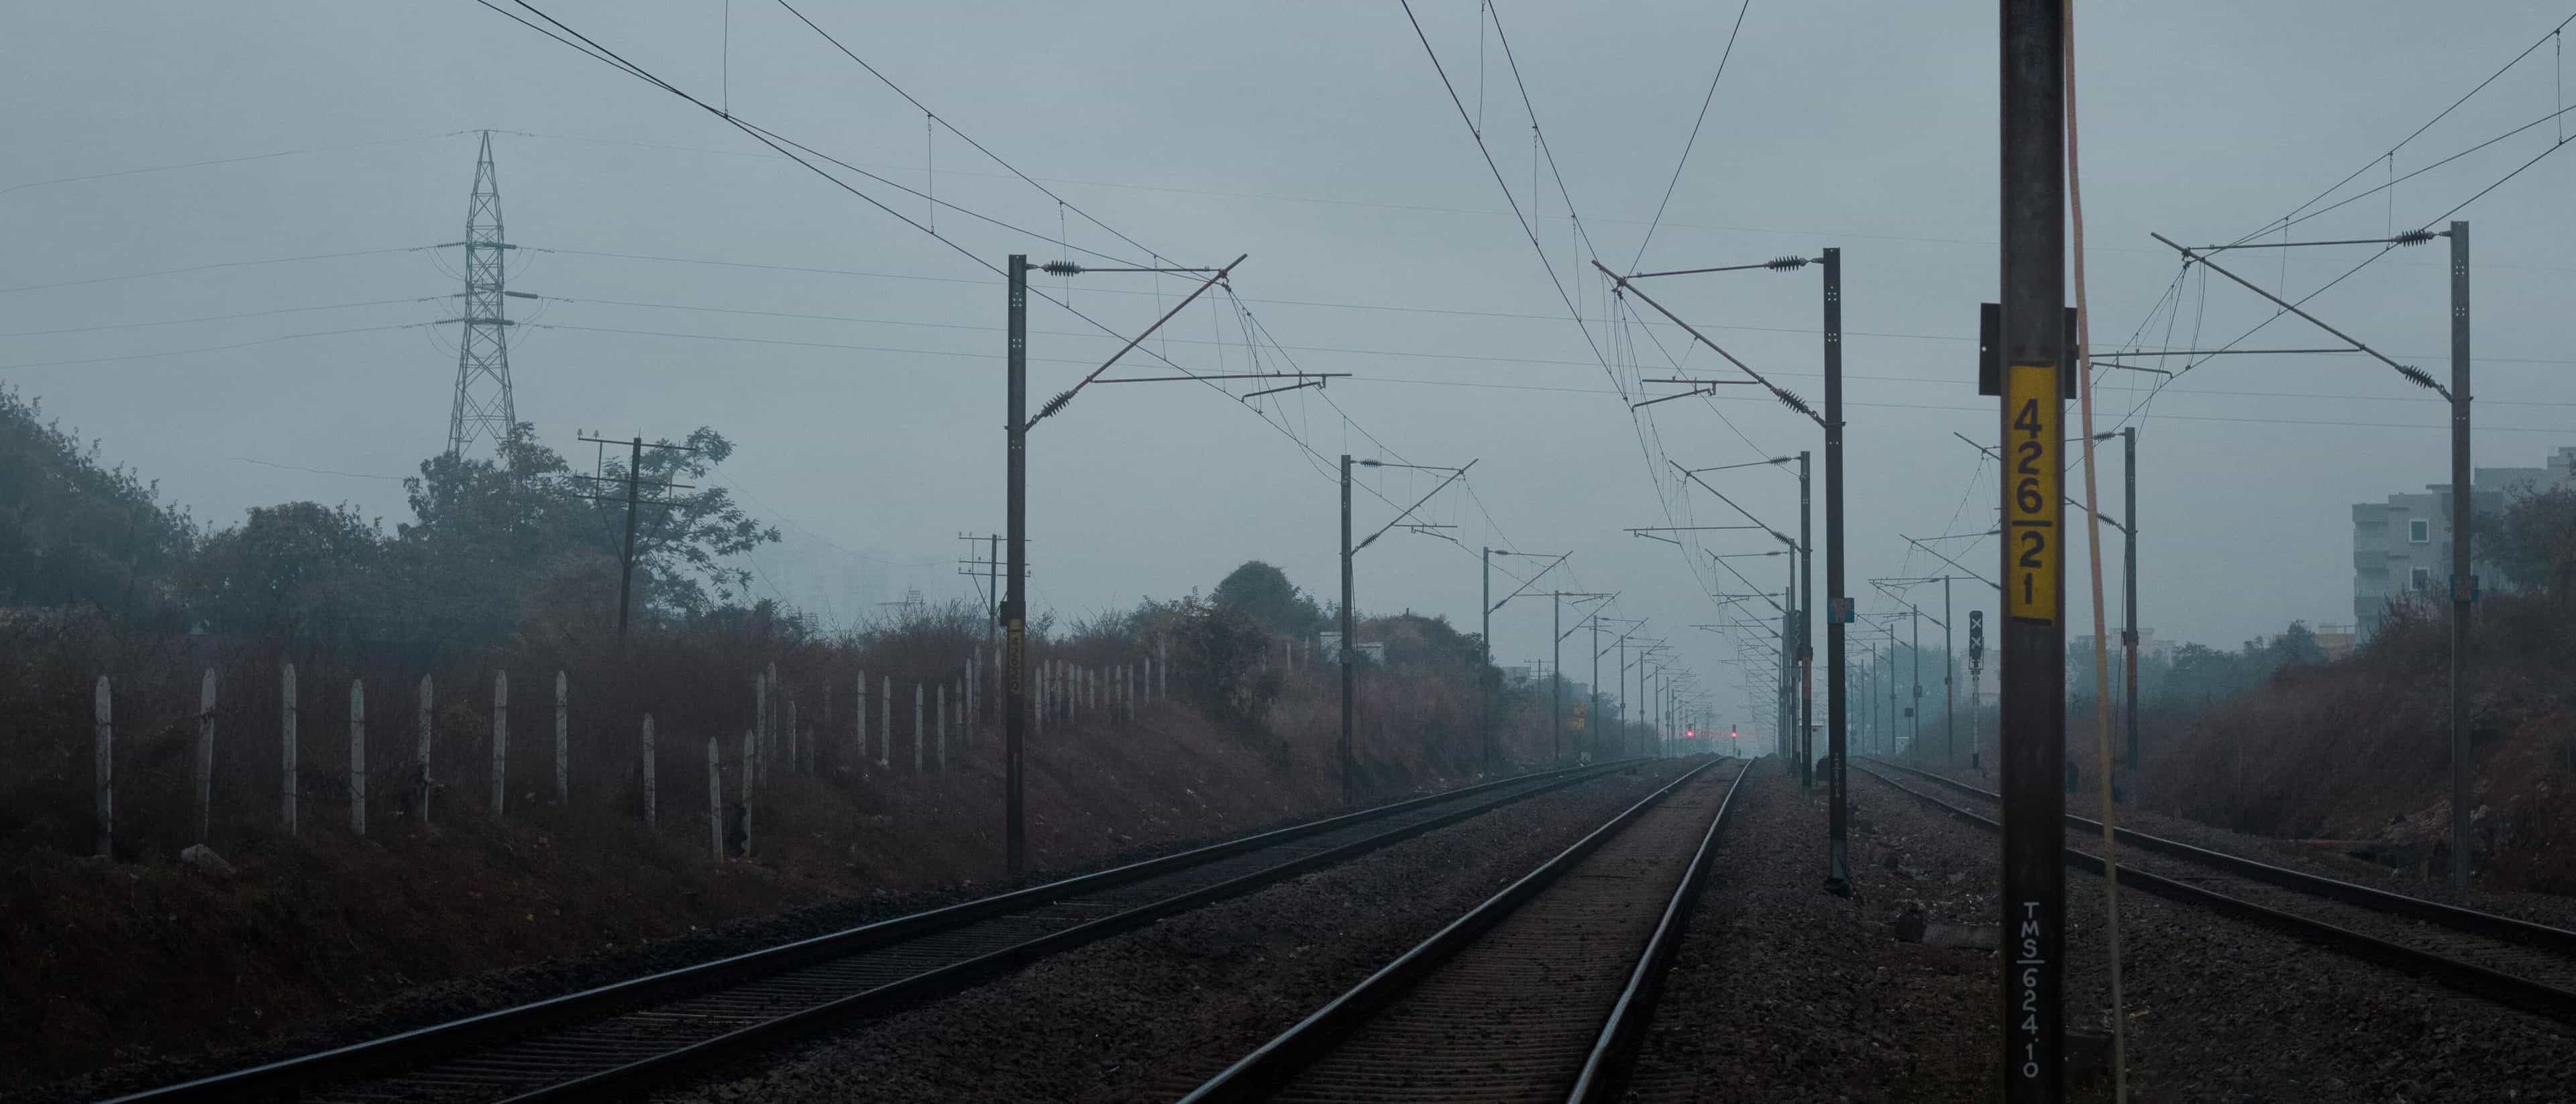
[{"x": 483, "y": 406}]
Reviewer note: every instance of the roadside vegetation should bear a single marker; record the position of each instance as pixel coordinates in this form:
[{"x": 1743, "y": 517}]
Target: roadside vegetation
[{"x": 510, "y": 564}]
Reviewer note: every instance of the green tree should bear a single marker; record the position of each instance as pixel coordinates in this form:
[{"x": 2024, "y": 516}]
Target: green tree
[
  {"x": 492, "y": 539},
  {"x": 75, "y": 531},
  {"x": 1263, "y": 593},
  {"x": 291, "y": 570},
  {"x": 2533, "y": 542}
]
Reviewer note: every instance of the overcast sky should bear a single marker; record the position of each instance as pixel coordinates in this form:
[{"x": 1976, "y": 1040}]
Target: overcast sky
[{"x": 1318, "y": 138}]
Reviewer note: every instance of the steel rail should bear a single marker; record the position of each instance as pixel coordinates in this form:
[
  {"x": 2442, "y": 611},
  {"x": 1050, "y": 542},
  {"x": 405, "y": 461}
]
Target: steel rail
[
  {"x": 419, "y": 1047},
  {"x": 2472, "y": 921},
  {"x": 1605, "y": 1070},
  {"x": 1272, "y": 1066},
  {"x": 2524, "y": 993}
]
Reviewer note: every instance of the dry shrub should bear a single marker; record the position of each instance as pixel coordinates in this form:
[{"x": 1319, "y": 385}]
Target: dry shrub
[{"x": 2360, "y": 749}]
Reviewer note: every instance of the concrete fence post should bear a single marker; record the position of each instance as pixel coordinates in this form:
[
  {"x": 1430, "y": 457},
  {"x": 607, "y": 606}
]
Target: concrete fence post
[
  {"x": 357, "y": 757},
  {"x": 916, "y": 728},
  {"x": 500, "y": 741},
  {"x": 563, "y": 740},
  {"x": 795, "y": 749},
  {"x": 1163, "y": 666},
  {"x": 885, "y": 721},
  {"x": 943, "y": 728},
  {"x": 421, "y": 761},
  {"x": 286, "y": 799},
  {"x": 715, "y": 800},
  {"x": 770, "y": 740},
  {"x": 759, "y": 714},
  {"x": 103, "y": 748},
  {"x": 859, "y": 719},
  {"x": 750, "y": 762},
  {"x": 205, "y": 754},
  {"x": 649, "y": 792}
]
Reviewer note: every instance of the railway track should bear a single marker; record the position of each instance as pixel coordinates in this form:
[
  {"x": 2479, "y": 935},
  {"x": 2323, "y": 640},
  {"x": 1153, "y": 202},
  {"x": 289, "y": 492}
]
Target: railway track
[
  {"x": 1540, "y": 993},
  {"x": 2515, "y": 962},
  {"x": 622, "y": 1037}
]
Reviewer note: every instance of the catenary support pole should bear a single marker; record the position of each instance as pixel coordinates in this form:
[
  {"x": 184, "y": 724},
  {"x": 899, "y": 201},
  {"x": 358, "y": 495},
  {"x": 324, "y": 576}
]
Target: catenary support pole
[
  {"x": 2031, "y": 424},
  {"x": 1805, "y": 742},
  {"x": 1350, "y": 641},
  {"x": 2129, "y": 591},
  {"x": 1484, "y": 674},
  {"x": 1949, "y": 681},
  {"x": 1838, "y": 601},
  {"x": 1015, "y": 698},
  {"x": 2463, "y": 585}
]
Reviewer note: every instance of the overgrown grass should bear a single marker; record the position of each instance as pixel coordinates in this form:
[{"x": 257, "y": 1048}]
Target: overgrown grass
[{"x": 2360, "y": 749}]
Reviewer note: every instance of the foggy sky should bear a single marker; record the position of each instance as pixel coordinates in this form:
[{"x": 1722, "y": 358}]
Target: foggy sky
[{"x": 1317, "y": 138}]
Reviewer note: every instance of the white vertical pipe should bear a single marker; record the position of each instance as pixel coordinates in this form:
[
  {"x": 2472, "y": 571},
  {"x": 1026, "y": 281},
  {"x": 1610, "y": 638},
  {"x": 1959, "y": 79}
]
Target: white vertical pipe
[
  {"x": 649, "y": 792},
  {"x": 563, "y": 740},
  {"x": 500, "y": 740},
  {"x": 205, "y": 754},
  {"x": 357, "y": 757},
  {"x": 286, "y": 800},
  {"x": 103, "y": 747}
]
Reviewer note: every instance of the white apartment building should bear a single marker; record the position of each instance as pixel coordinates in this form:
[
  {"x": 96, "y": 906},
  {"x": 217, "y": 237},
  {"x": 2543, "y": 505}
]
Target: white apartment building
[{"x": 2403, "y": 546}]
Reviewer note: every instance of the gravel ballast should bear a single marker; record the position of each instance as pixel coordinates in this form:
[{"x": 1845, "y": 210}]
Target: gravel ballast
[
  {"x": 439, "y": 1002},
  {"x": 1149, "y": 1014},
  {"x": 2555, "y": 910},
  {"x": 2223, "y": 1010}
]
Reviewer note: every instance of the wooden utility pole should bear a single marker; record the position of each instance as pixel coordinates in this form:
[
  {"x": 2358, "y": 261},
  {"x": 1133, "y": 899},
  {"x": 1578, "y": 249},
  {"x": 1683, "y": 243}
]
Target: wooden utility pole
[{"x": 635, "y": 447}]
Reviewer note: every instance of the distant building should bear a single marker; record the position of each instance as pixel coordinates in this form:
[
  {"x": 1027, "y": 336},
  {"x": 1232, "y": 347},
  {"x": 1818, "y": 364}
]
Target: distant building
[
  {"x": 2402, "y": 547},
  {"x": 2336, "y": 641}
]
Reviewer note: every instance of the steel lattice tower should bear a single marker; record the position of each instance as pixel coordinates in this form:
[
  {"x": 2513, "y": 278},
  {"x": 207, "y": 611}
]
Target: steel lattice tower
[{"x": 483, "y": 405}]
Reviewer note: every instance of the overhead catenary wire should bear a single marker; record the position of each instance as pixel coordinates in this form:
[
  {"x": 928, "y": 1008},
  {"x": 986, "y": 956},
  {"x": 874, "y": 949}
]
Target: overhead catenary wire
[{"x": 1689, "y": 143}]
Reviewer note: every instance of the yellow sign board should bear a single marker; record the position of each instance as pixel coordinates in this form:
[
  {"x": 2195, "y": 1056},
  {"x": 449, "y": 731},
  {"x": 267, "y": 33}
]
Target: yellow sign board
[
  {"x": 1578, "y": 716},
  {"x": 2034, "y": 460}
]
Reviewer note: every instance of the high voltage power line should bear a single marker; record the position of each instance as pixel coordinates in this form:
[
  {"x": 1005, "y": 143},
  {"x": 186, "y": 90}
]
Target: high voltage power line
[{"x": 782, "y": 145}]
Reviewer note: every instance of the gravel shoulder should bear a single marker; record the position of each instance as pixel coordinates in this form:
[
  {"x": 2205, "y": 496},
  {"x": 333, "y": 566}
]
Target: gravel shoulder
[
  {"x": 2221, "y": 1010},
  {"x": 439, "y": 1002},
  {"x": 1149, "y": 1014},
  {"x": 2556, "y": 910},
  {"x": 1784, "y": 992}
]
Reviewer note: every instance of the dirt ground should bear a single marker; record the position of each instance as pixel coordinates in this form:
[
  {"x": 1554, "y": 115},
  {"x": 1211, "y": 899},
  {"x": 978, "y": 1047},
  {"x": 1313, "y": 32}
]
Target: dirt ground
[{"x": 151, "y": 965}]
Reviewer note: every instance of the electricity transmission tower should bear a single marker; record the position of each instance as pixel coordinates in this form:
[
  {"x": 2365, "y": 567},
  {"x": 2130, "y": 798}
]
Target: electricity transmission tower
[{"x": 483, "y": 406}]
